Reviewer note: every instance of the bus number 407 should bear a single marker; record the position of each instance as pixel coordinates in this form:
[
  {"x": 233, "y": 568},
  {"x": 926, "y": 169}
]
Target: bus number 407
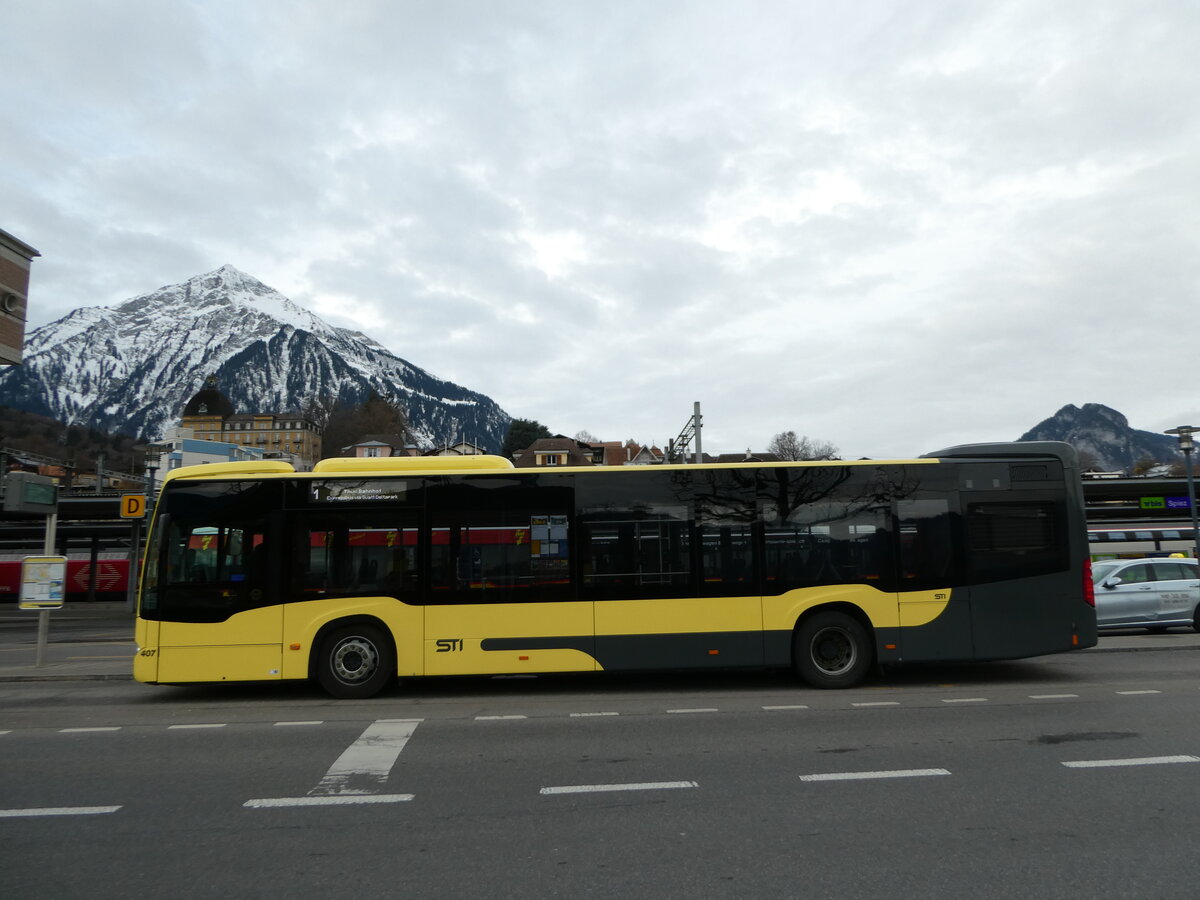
[{"x": 446, "y": 645}]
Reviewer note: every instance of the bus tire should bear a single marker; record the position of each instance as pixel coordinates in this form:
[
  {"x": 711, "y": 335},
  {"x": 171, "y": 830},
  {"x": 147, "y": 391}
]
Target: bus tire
[
  {"x": 355, "y": 662},
  {"x": 832, "y": 650}
]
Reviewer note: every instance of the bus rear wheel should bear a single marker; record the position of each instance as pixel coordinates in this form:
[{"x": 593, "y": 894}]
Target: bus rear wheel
[
  {"x": 355, "y": 662},
  {"x": 832, "y": 650}
]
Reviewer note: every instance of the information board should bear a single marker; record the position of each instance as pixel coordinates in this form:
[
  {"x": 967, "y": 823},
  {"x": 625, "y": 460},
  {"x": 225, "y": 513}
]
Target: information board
[{"x": 43, "y": 582}]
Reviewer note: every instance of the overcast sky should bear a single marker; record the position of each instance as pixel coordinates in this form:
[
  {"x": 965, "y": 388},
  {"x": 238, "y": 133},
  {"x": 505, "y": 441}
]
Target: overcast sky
[{"x": 890, "y": 226}]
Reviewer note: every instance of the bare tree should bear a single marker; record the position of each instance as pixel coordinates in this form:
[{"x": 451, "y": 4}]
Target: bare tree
[
  {"x": 318, "y": 410},
  {"x": 342, "y": 423},
  {"x": 790, "y": 446},
  {"x": 586, "y": 437}
]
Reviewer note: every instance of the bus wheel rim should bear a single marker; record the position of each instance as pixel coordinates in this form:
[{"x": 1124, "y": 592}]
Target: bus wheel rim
[
  {"x": 354, "y": 659},
  {"x": 833, "y": 650}
]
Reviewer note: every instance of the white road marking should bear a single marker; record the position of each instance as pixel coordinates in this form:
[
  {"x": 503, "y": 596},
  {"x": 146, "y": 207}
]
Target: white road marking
[
  {"x": 58, "y": 811},
  {"x": 497, "y": 718},
  {"x": 208, "y": 725},
  {"x": 1142, "y": 761},
  {"x": 338, "y": 800},
  {"x": 796, "y": 706},
  {"x": 368, "y": 760},
  {"x": 591, "y": 714},
  {"x": 1135, "y": 693},
  {"x": 966, "y": 700},
  {"x": 878, "y": 703},
  {"x": 82, "y": 730},
  {"x": 701, "y": 710},
  {"x": 895, "y": 773},
  {"x": 1053, "y": 696},
  {"x": 311, "y": 722},
  {"x": 601, "y": 788}
]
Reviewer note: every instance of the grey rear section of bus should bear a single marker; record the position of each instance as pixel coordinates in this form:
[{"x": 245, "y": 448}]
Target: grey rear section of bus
[{"x": 999, "y": 618}]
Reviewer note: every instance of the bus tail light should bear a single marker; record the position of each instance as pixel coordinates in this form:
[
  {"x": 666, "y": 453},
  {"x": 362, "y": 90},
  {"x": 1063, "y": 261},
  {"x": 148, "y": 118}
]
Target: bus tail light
[{"x": 1089, "y": 589}]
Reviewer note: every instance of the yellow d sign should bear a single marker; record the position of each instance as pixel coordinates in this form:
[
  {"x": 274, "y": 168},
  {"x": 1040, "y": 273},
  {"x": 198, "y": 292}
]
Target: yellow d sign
[{"x": 133, "y": 506}]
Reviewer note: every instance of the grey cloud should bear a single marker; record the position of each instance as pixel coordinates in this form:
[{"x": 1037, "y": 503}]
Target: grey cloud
[{"x": 888, "y": 225}]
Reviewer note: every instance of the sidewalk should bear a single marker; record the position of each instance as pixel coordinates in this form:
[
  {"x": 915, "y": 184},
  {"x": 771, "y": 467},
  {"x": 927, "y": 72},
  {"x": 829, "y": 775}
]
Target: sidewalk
[
  {"x": 85, "y": 642},
  {"x": 94, "y": 642}
]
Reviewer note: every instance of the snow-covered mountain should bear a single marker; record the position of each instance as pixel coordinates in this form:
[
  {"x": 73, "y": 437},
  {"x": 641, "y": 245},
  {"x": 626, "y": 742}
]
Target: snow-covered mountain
[
  {"x": 131, "y": 368},
  {"x": 1105, "y": 435}
]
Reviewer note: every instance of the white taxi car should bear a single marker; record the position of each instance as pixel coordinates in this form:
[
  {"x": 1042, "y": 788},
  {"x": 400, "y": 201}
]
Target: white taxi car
[{"x": 1147, "y": 593}]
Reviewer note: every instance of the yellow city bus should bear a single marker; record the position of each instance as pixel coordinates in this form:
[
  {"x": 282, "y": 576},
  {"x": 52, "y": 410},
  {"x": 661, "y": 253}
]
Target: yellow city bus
[{"x": 364, "y": 570}]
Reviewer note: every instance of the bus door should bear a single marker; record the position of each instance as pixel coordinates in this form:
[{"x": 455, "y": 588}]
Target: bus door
[
  {"x": 500, "y": 596},
  {"x": 668, "y": 558},
  {"x": 1018, "y": 571},
  {"x": 218, "y": 619},
  {"x": 934, "y": 609}
]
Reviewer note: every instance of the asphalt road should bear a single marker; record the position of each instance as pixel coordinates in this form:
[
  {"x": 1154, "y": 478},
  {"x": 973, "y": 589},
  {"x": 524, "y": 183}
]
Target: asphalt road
[{"x": 1069, "y": 776}]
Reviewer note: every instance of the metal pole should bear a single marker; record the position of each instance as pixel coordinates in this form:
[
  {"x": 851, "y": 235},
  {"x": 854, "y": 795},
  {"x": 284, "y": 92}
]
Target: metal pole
[
  {"x": 696, "y": 419},
  {"x": 93, "y": 568},
  {"x": 135, "y": 545},
  {"x": 1186, "y": 445},
  {"x": 43, "y": 635},
  {"x": 1187, "y": 461}
]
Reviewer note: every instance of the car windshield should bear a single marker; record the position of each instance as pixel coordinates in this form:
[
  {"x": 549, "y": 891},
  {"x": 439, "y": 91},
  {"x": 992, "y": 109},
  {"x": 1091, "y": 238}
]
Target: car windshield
[{"x": 1102, "y": 570}]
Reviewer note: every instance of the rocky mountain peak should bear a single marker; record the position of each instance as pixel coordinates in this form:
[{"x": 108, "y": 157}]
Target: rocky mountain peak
[
  {"x": 1105, "y": 435},
  {"x": 131, "y": 368}
]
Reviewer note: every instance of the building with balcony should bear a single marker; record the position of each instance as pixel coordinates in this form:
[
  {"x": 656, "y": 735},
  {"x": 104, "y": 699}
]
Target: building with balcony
[{"x": 288, "y": 436}]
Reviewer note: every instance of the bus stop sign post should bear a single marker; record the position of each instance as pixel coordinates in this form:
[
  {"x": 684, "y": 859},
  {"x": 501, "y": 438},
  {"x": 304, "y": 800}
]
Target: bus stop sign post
[
  {"x": 43, "y": 586},
  {"x": 43, "y": 578},
  {"x": 133, "y": 506}
]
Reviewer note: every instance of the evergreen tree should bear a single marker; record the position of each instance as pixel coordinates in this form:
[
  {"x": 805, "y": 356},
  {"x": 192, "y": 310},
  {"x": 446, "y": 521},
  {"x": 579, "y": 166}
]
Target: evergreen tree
[{"x": 522, "y": 433}]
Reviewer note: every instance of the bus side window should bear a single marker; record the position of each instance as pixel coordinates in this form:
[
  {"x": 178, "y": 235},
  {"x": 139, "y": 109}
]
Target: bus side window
[
  {"x": 1014, "y": 540},
  {"x": 354, "y": 553},
  {"x": 637, "y": 552},
  {"x": 928, "y": 549}
]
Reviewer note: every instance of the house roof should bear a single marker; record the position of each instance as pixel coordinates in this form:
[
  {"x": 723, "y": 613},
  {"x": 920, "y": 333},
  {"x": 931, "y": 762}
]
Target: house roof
[
  {"x": 379, "y": 440},
  {"x": 577, "y": 454}
]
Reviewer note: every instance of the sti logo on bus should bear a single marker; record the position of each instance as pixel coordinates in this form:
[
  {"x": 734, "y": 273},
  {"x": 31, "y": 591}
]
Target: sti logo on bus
[{"x": 445, "y": 645}]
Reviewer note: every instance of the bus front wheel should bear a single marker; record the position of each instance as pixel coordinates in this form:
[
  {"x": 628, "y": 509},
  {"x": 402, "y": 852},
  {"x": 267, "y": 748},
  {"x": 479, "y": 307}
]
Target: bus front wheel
[
  {"x": 356, "y": 661},
  {"x": 832, "y": 650}
]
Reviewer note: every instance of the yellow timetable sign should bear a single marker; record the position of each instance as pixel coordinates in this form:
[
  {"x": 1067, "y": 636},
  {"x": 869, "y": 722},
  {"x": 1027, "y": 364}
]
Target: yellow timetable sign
[
  {"x": 133, "y": 506},
  {"x": 43, "y": 582}
]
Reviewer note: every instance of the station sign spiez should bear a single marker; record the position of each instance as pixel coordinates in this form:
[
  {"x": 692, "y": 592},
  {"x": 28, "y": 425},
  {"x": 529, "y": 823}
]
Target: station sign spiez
[
  {"x": 133, "y": 506},
  {"x": 43, "y": 582}
]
